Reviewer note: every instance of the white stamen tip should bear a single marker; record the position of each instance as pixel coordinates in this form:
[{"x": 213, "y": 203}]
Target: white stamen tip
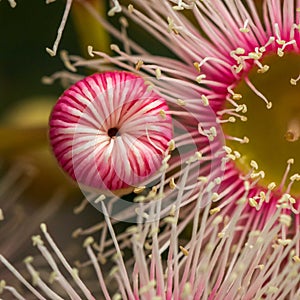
[
  {"x": 43, "y": 227},
  {"x": 90, "y": 51},
  {"x": 51, "y": 52}
]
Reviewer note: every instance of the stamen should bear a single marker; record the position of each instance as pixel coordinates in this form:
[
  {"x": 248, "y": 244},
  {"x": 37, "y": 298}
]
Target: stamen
[
  {"x": 130, "y": 8},
  {"x": 289, "y": 163},
  {"x": 205, "y": 100},
  {"x": 60, "y": 30},
  {"x": 65, "y": 58},
  {"x": 171, "y": 26},
  {"x": 292, "y": 42},
  {"x": 197, "y": 66},
  {"x": 12, "y": 3},
  {"x": 295, "y": 27},
  {"x": 293, "y": 178},
  {"x": 277, "y": 33},
  {"x": 181, "y": 5},
  {"x": 206, "y": 59},
  {"x": 238, "y": 69},
  {"x": 139, "y": 64},
  {"x": 244, "y": 140},
  {"x": 270, "y": 41},
  {"x": 245, "y": 28},
  {"x": 229, "y": 120},
  {"x": 210, "y": 133},
  {"x": 258, "y": 93},
  {"x": 262, "y": 68},
  {"x": 96, "y": 265},
  {"x": 90, "y": 50},
  {"x": 125, "y": 40},
  {"x": 18, "y": 275},
  {"x": 115, "y": 9},
  {"x": 200, "y": 77},
  {"x": 294, "y": 81},
  {"x": 12, "y": 290}
]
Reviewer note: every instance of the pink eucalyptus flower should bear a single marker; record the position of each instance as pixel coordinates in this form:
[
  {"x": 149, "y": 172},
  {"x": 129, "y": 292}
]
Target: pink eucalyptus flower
[
  {"x": 242, "y": 59},
  {"x": 243, "y": 63},
  {"x": 242, "y": 243}
]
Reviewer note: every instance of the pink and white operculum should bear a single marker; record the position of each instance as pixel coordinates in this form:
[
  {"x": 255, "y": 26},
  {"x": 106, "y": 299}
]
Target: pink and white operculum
[{"x": 110, "y": 131}]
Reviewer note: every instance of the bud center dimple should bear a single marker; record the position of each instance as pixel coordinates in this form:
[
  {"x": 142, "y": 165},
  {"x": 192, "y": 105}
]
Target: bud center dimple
[{"x": 112, "y": 132}]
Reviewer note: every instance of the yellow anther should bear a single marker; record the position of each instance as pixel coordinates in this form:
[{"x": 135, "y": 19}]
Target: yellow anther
[
  {"x": 264, "y": 69},
  {"x": 214, "y": 197},
  {"x": 197, "y": 66},
  {"x": 171, "y": 145},
  {"x": 214, "y": 210},
  {"x": 238, "y": 68},
  {"x": 202, "y": 179},
  {"x": 237, "y": 96},
  {"x": 246, "y": 140},
  {"x": 254, "y": 164},
  {"x": 88, "y": 241},
  {"x": 280, "y": 52},
  {"x": 172, "y": 183},
  {"x": 205, "y": 100},
  {"x": 200, "y": 78},
  {"x": 237, "y": 154},
  {"x": 271, "y": 186},
  {"x": 293, "y": 81},
  {"x": 139, "y": 189},
  {"x": 181, "y": 102},
  {"x": 284, "y": 242},
  {"x": 184, "y": 251},
  {"x": 262, "y": 195},
  {"x": 296, "y": 259},
  {"x": 114, "y": 47},
  {"x": 139, "y": 64},
  {"x": 158, "y": 73},
  {"x": 240, "y": 51},
  {"x": 227, "y": 149},
  {"x": 244, "y": 30},
  {"x": 217, "y": 220},
  {"x": 130, "y": 8},
  {"x": 269, "y": 105},
  {"x": 285, "y": 220},
  {"x": 255, "y": 55},
  {"x": 90, "y": 51},
  {"x": 272, "y": 290},
  {"x": 261, "y": 267},
  {"x": 295, "y": 177},
  {"x": 252, "y": 202},
  {"x": 162, "y": 113}
]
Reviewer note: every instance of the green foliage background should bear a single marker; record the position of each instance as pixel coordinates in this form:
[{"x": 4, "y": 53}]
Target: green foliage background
[{"x": 25, "y": 32}]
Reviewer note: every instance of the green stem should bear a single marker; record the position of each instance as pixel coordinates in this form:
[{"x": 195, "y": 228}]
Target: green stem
[{"x": 90, "y": 32}]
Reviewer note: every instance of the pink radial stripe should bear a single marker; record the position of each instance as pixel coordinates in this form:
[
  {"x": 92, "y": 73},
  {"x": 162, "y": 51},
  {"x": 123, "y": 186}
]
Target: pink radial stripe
[{"x": 108, "y": 130}]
